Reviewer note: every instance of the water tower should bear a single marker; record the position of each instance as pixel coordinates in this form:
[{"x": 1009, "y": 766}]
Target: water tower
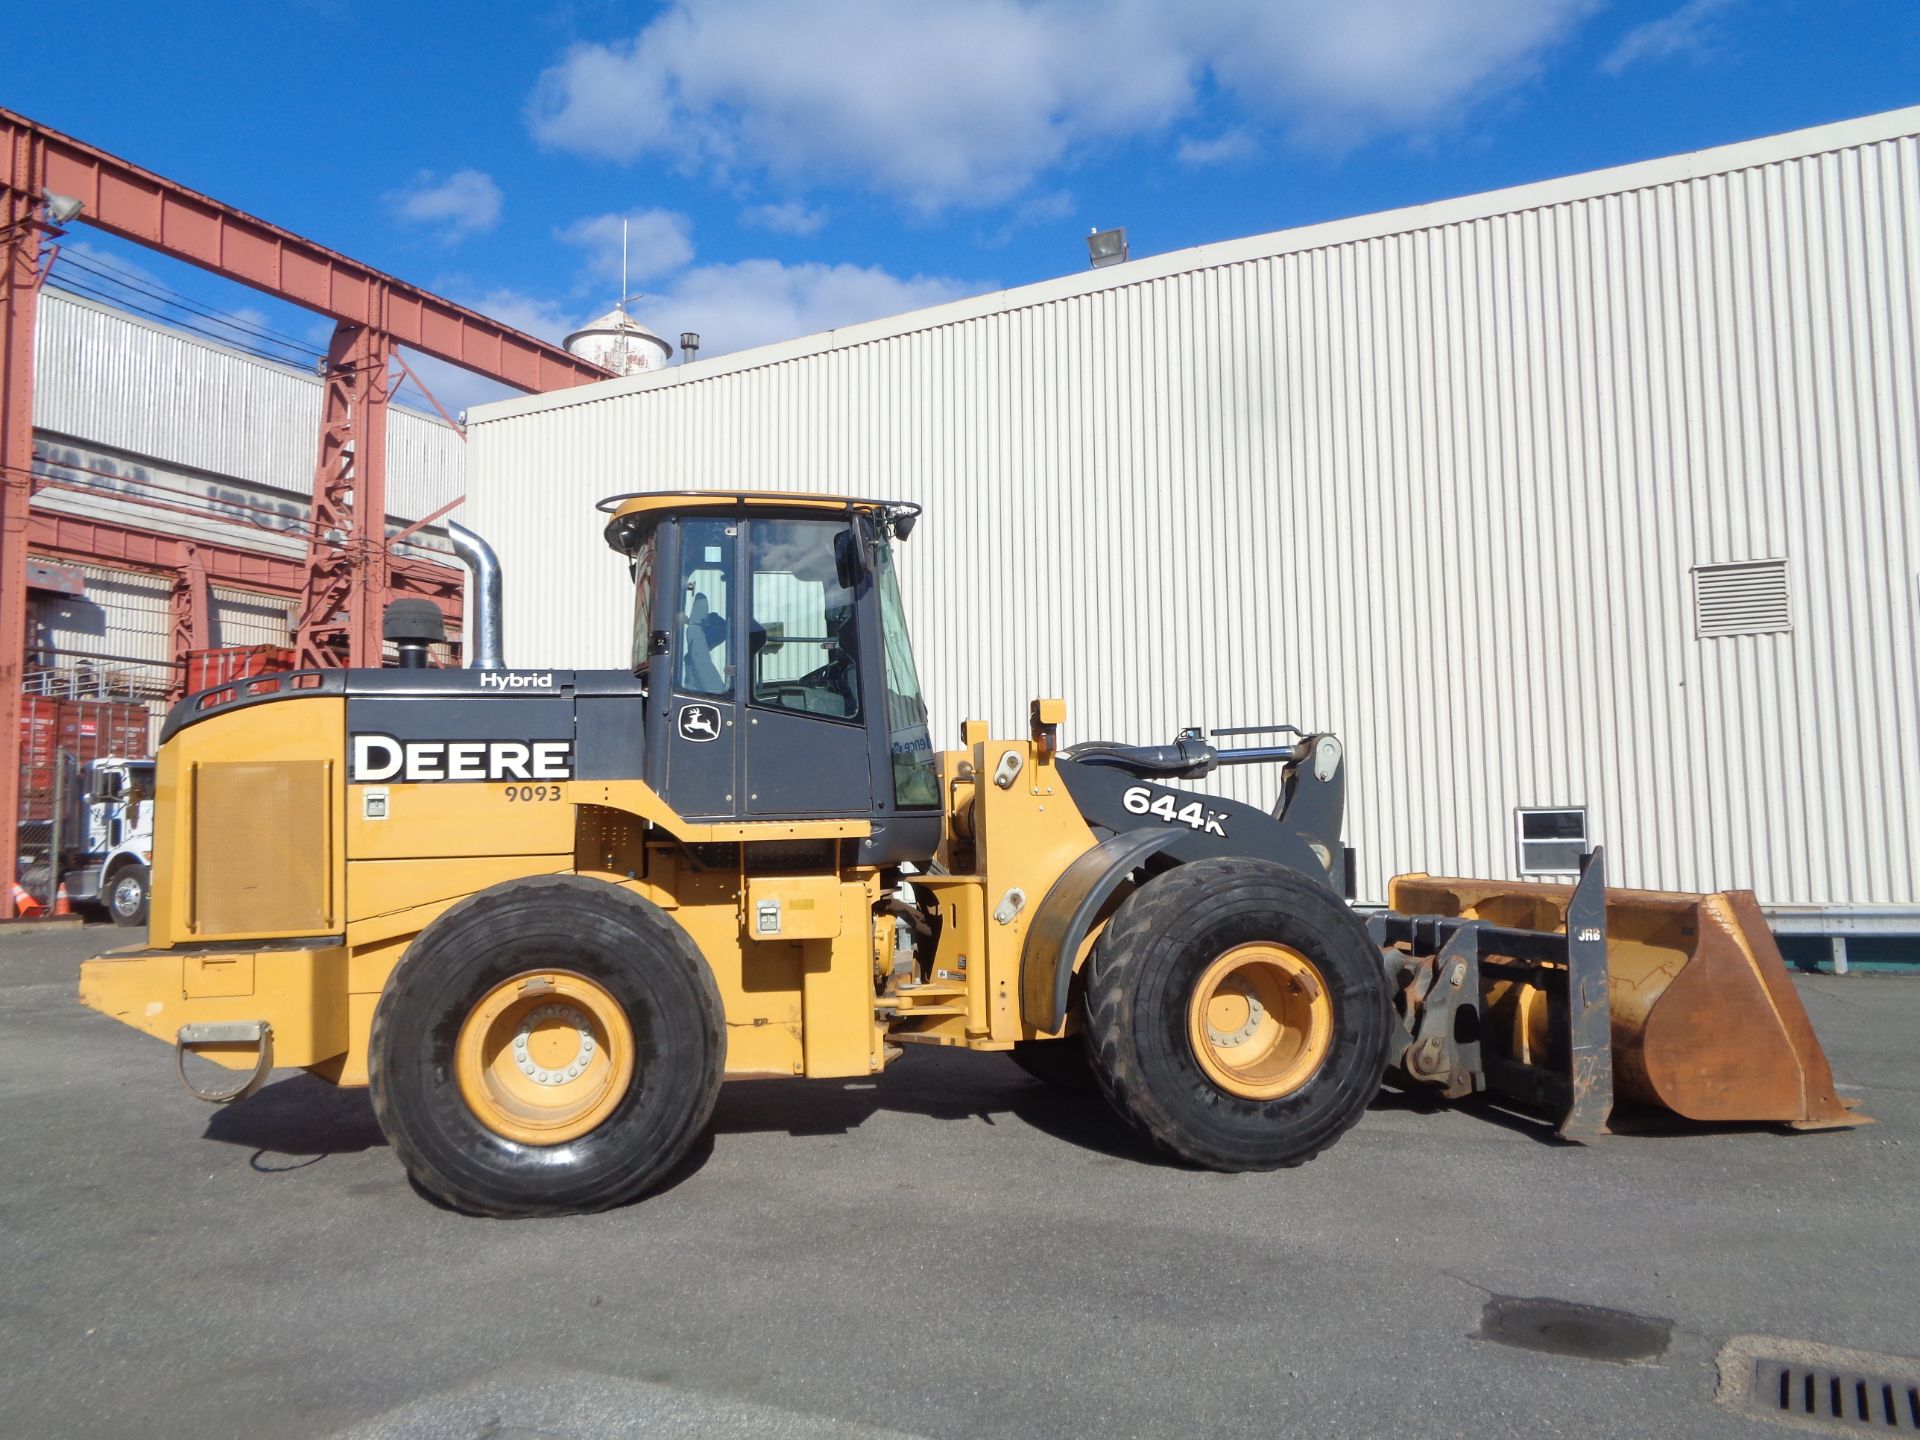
[
  {"x": 617, "y": 341},
  {"x": 620, "y": 343}
]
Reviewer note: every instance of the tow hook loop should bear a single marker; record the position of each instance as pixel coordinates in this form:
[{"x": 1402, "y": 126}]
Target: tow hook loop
[{"x": 225, "y": 1032}]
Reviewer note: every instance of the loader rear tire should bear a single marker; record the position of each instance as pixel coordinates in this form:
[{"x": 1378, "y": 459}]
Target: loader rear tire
[
  {"x": 1229, "y": 933},
  {"x": 560, "y": 971}
]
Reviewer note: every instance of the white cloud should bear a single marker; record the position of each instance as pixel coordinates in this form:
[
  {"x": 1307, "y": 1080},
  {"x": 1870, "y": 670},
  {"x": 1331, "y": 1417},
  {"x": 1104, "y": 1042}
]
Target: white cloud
[
  {"x": 546, "y": 319},
  {"x": 792, "y": 218},
  {"x": 1219, "y": 150},
  {"x": 968, "y": 101},
  {"x": 755, "y": 302},
  {"x": 1047, "y": 208},
  {"x": 1688, "y": 30},
  {"x": 956, "y": 102},
  {"x": 466, "y": 203},
  {"x": 732, "y": 307},
  {"x": 658, "y": 243},
  {"x": 1337, "y": 75}
]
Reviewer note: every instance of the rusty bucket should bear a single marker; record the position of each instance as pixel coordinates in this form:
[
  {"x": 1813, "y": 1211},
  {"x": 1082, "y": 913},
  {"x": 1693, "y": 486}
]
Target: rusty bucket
[{"x": 1705, "y": 1021}]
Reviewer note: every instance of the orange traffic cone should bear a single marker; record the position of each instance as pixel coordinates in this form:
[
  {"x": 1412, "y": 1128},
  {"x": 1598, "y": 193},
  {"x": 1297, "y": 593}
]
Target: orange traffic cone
[
  {"x": 62, "y": 905},
  {"x": 25, "y": 907}
]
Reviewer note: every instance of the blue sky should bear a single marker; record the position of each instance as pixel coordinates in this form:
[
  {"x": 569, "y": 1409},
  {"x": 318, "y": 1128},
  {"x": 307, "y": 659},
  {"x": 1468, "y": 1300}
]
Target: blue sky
[{"x": 787, "y": 167}]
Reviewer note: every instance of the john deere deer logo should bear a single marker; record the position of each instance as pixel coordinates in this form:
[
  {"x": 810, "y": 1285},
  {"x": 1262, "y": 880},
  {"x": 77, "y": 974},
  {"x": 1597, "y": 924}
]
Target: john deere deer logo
[{"x": 699, "y": 722}]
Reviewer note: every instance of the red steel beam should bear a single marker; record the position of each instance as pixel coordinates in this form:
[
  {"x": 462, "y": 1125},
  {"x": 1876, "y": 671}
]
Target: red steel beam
[
  {"x": 23, "y": 266},
  {"x": 340, "y": 617},
  {"x": 124, "y": 199},
  {"x": 100, "y": 542}
]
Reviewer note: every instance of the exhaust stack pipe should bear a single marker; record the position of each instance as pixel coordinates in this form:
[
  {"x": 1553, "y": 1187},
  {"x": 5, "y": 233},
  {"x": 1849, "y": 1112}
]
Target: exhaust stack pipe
[{"x": 484, "y": 651}]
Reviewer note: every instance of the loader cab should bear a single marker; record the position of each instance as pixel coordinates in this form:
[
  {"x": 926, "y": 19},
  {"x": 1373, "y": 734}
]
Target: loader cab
[{"x": 769, "y": 633}]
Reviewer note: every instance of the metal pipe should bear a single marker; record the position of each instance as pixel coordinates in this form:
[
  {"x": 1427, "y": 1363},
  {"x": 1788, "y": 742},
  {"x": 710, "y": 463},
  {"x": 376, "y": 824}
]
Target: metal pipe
[
  {"x": 1255, "y": 753},
  {"x": 483, "y": 651}
]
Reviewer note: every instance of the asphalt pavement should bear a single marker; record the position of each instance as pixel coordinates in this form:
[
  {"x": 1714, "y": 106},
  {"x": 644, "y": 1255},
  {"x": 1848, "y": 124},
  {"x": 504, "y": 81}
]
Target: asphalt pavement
[{"x": 952, "y": 1250}]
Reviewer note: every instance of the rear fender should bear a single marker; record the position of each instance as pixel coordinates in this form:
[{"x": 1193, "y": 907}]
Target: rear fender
[
  {"x": 1204, "y": 825},
  {"x": 1060, "y": 926}
]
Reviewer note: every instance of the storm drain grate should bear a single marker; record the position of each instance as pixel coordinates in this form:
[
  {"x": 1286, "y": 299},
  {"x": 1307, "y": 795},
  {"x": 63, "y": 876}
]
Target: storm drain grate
[
  {"x": 1821, "y": 1387},
  {"x": 1818, "y": 1393}
]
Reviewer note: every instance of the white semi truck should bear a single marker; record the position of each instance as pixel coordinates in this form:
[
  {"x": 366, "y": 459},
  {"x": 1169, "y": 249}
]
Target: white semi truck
[{"x": 103, "y": 831}]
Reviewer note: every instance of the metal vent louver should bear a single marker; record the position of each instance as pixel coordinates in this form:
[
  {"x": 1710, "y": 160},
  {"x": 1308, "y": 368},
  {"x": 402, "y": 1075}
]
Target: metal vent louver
[{"x": 1748, "y": 597}]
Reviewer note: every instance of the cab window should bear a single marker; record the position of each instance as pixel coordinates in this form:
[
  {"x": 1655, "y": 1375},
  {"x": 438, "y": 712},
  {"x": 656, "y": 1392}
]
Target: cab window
[
  {"x": 704, "y": 642},
  {"x": 643, "y": 579},
  {"x": 805, "y": 655},
  {"x": 916, "y": 783}
]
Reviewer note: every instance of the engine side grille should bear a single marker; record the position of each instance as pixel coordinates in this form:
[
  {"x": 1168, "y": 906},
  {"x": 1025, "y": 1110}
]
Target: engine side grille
[{"x": 260, "y": 848}]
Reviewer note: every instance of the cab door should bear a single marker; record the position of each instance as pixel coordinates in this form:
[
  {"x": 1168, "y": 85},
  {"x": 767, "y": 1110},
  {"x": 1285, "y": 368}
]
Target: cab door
[
  {"x": 806, "y": 744},
  {"x": 702, "y": 730}
]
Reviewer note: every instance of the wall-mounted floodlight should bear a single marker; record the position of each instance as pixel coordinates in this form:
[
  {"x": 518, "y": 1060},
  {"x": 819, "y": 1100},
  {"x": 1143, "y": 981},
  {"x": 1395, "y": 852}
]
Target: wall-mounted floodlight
[
  {"x": 1107, "y": 247},
  {"x": 62, "y": 208},
  {"x": 689, "y": 345}
]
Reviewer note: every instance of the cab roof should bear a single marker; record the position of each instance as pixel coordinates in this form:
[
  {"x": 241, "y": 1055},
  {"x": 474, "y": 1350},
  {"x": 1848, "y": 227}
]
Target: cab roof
[
  {"x": 646, "y": 502},
  {"x": 629, "y": 510}
]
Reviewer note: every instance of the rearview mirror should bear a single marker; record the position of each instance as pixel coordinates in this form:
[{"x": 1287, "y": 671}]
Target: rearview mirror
[{"x": 848, "y": 563}]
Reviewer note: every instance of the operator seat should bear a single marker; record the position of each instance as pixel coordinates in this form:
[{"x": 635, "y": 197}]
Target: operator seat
[{"x": 704, "y": 628}]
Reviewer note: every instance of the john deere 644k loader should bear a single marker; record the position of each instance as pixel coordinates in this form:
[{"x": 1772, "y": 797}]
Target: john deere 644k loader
[{"x": 543, "y": 914}]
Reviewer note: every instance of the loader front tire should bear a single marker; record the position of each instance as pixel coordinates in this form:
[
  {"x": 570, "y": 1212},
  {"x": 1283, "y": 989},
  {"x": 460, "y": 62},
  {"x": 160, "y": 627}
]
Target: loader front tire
[
  {"x": 1238, "y": 1014},
  {"x": 551, "y": 1045}
]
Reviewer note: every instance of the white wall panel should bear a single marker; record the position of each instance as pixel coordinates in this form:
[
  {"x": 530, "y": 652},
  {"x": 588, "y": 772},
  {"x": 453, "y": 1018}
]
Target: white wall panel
[
  {"x": 1435, "y": 480},
  {"x": 126, "y": 384},
  {"x": 244, "y": 617},
  {"x": 115, "y": 640}
]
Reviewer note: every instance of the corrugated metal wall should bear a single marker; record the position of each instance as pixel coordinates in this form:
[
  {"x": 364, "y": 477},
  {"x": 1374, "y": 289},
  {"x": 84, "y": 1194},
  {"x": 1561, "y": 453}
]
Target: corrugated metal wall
[
  {"x": 1434, "y": 480},
  {"x": 244, "y": 617},
  {"x": 115, "y": 641},
  {"x": 123, "y": 383}
]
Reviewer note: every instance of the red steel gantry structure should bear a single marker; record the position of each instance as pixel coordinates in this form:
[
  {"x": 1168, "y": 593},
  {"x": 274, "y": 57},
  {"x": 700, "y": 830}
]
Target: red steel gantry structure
[{"x": 350, "y": 570}]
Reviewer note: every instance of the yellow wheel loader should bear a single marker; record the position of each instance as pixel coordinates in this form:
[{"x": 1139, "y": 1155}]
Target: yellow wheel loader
[{"x": 543, "y": 914}]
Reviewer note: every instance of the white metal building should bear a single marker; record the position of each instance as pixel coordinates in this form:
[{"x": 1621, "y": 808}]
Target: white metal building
[
  {"x": 1599, "y": 494},
  {"x": 144, "y": 428}
]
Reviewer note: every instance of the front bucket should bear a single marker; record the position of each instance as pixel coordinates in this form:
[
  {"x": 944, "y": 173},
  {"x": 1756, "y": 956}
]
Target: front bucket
[{"x": 1705, "y": 1021}]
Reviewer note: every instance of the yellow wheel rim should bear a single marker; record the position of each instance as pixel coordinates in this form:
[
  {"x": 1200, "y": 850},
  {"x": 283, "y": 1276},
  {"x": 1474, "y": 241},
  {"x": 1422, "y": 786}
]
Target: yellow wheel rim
[
  {"x": 1260, "y": 1021},
  {"x": 544, "y": 1057}
]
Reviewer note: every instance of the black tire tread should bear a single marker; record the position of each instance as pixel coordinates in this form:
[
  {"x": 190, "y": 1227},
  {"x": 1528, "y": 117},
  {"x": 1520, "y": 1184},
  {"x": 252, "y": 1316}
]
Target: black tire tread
[
  {"x": 139, "y": 917},
  {"x": 566, "y": 891},
  {"x": 1112, "y": 974}
]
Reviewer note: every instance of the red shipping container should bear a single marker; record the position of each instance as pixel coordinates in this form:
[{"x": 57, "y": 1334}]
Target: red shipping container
[
  {"x": 39, "y": 730},
  {"x": 207, "y": 669},
  {"x": 90, "y": 729},
  {"x": 39, "y": 739},
  {"x": 84, "y": 730}
]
